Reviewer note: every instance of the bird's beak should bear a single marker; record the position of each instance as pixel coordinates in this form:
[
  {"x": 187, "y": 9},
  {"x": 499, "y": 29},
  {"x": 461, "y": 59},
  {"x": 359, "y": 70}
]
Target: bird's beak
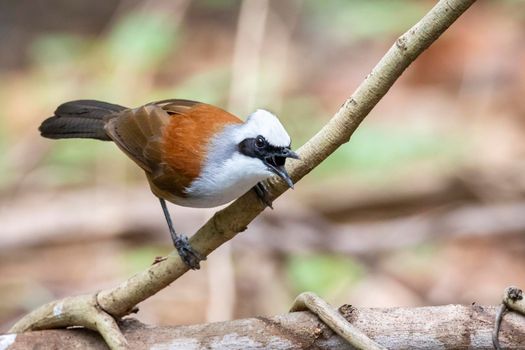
[
  {"x": 288, "y": 153},
  {"x": 275, "y": 163}
]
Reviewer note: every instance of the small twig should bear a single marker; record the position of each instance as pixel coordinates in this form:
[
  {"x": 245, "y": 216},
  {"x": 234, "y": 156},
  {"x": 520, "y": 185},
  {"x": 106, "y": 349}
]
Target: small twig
[
  {"x": 497, "y": 325},
  {"x": 512, "y": 300},
  {"x": 333, "y": 319}
]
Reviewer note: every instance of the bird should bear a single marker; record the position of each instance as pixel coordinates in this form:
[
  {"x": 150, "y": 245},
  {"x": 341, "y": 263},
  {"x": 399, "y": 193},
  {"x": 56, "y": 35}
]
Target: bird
[{"x": 194, "y": 154}]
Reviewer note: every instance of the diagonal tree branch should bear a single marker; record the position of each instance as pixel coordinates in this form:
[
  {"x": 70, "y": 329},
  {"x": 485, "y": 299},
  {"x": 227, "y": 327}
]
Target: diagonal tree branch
[{"x": 226, "y": 223}]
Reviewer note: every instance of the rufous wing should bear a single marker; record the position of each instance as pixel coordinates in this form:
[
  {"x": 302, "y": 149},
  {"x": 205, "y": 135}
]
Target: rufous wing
[
  {"x": 139, "y": 132},
  {"x": 169, "y": 140}
]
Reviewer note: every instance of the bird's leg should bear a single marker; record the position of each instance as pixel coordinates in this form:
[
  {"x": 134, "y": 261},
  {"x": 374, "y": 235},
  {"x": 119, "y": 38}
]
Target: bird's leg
[
  {"x": 262, "y": 192},
  {"x": 181, "y": 242}
]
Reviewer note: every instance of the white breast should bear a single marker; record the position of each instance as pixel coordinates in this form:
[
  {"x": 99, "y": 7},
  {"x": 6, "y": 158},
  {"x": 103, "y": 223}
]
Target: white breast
[{"x": 222, "y": 182}]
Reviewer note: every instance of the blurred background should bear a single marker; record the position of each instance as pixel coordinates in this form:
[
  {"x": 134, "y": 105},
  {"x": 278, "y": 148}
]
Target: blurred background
[{"x": 424, "y": 206}]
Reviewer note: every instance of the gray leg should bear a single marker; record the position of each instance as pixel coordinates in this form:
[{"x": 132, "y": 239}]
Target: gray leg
[{"x": 181, "y": 243}]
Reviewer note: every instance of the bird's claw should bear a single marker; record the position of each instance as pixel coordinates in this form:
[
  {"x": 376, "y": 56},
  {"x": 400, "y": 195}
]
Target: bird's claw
[
  {"x": 188, "y": 255},
  {"x": 262, "y": 193}
]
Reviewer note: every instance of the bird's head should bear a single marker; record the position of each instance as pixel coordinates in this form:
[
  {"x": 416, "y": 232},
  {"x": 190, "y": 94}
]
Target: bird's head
[{"x": 265, "y": 143}]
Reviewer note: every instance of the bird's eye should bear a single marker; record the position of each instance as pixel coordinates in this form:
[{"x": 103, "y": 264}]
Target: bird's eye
[{"x": 260, "y": 142}]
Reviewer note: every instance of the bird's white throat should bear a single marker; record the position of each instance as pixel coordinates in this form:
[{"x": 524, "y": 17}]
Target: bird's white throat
[{"x": 220, "y": 184}]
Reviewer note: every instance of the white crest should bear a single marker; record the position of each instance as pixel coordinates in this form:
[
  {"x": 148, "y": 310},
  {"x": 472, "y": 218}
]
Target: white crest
[{"x": 264, "y": 123}]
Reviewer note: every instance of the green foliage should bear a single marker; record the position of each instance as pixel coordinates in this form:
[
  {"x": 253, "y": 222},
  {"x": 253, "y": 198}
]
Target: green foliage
[
  {"x": 141, "y": 40},
  {"x": 219, "y": 4},
  {"x": 78, "y": 152},
  {"x": 364, "y": 19},
  {"x": 380, "y": 149},
  {"x": 57, "y": 49},
  {"x": 301, "y": 114},
  {"x": 210, "y": 86},
  {"x": 138, "y": 258},
  {"x": 6, "y": 176},
  {"x": 73, "y": 161},
  {"x": 513, "y": 8},
  {"x": 322, "y": 273},
  {"x": 417, "y": 260}
]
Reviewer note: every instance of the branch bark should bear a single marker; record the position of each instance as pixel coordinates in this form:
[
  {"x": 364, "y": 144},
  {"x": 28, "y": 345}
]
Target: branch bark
[
  {"x": 439, "y": 327},
  {"x": 225, "y": 224}
]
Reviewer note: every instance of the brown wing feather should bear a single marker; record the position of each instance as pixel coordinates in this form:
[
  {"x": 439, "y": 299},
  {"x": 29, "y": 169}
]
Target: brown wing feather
[
  {"x": 187, "y": 136},
  {"x": 165, "y": 138},
  {"x": 138, "y": 133}
]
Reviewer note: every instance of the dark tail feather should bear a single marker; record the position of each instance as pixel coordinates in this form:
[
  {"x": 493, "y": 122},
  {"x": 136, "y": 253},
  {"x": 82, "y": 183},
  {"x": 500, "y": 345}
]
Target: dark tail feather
[{"x": 79, "y": 119}]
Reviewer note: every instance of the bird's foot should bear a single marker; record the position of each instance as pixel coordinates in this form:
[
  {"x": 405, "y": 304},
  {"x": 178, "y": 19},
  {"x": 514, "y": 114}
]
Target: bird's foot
[
  {"x": 264, "y": 195},
  {"x": 188, "y": 255}
]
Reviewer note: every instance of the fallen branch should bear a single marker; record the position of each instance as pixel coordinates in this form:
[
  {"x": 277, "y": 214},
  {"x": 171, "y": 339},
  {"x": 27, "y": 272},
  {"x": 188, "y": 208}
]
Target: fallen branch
[
  {"x": 225, "y": 224},
  {"x": 438, "y": 327}
]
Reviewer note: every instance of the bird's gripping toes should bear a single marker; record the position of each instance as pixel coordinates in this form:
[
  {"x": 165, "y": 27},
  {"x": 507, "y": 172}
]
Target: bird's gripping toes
[{"x": 194, "y": 154}]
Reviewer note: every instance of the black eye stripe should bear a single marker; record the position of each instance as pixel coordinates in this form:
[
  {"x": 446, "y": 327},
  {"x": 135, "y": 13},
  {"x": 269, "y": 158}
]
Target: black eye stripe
[{"x": 249, "y": 148}]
